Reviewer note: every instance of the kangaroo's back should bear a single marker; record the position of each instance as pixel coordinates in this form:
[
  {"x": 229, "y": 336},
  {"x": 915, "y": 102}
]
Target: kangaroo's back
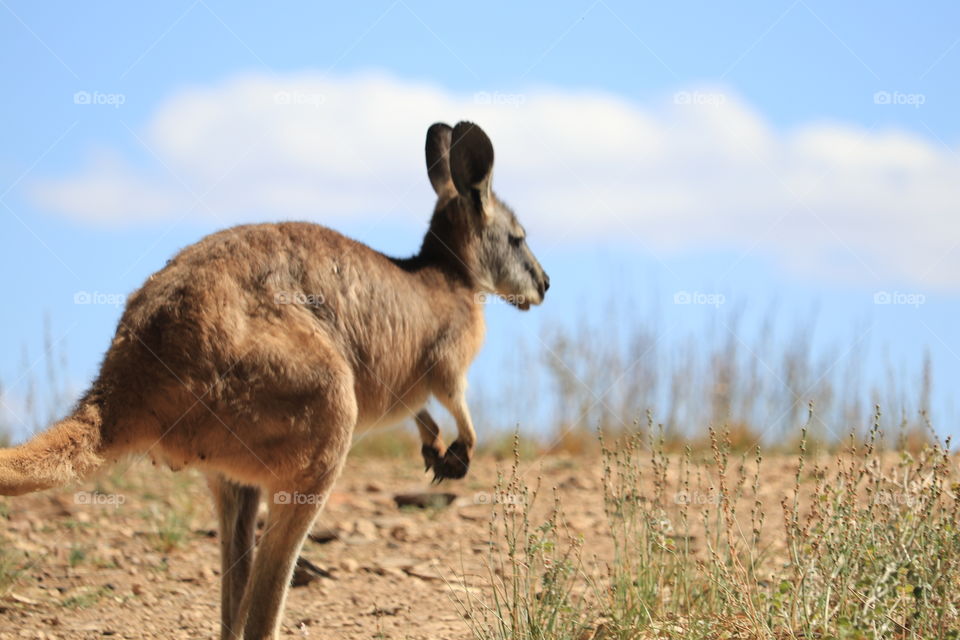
[{"x": 284, "y": 287}]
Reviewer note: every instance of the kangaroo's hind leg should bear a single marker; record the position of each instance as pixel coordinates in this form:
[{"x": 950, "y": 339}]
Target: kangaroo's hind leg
[
  {"x": 237, "y": 512},
  {"x": 296, "y": 493},
  {"x": 293, "y": 508}
]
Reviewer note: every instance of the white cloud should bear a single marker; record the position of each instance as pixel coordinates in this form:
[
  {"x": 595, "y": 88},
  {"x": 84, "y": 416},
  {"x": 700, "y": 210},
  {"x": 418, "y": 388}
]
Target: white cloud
[{"x": 701, "y": 169}]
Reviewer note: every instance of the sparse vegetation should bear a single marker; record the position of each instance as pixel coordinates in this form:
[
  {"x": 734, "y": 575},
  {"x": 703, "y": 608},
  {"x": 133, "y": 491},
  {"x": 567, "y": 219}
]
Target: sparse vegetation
[
  {"x": 86, "y": 598},
  {"x": 77, "y": 555},
  {"x": 11, "y": 567},
  {"x": 866, "y": 545},
  {"x": 171, "y": 527}
]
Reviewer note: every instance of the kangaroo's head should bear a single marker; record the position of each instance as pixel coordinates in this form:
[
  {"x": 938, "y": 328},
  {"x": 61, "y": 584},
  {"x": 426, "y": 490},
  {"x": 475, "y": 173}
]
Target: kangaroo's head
[{"x": 476, "y": 232}]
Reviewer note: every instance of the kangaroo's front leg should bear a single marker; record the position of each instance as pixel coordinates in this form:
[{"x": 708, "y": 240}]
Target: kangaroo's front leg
[
  {"x": 456, "y": 460},
  {"x": 432, "y": 449}
]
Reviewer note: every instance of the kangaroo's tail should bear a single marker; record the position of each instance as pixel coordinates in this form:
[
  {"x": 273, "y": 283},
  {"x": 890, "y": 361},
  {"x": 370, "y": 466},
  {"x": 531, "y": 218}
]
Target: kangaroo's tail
[{"x": 67, "y": 451}]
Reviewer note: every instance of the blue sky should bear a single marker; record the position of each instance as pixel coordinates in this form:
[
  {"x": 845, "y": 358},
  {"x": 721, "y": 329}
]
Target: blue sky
[{"x": 802, "y": 154}]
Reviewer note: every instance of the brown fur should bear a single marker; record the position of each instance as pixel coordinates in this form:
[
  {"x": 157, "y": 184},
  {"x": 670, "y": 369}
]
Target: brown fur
[{"x": 256, "y": 353}]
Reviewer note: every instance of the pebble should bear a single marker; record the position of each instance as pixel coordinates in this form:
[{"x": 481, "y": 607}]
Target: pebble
[
  {"x": 402, "y": 532},
  {"x": 365, "y": 529}
]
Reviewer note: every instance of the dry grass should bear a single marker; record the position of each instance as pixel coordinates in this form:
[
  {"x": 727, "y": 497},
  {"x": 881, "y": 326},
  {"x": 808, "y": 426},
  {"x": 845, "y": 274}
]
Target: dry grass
[{"x": 865, "y": 546}]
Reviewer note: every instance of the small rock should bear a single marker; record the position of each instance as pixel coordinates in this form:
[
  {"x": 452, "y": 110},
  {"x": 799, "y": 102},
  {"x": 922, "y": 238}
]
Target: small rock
[
  {"x": 306, "y": 572},
  {"x": 576, "y": 482},
  {"x": 475, "y": 512},
  {"x": 323, "y": 535},
  {"x": 386, "y": 610},
  {"x": 400, "y": 563},
  {"x": 424, "y": 500},
  {"x": 401, "y": 532},
  {"x": 425, "y": 571},
  {"x": 365, "y": 529}
]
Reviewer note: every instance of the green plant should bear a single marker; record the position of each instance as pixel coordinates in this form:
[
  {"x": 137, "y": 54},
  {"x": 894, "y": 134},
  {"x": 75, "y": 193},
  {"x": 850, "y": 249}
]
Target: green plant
[
  {"x": 77, "y": 555},
  {"x": 11, "y": 568},
  {"x": 171, "y": 527},
  {"x": 86, "y": 598}
]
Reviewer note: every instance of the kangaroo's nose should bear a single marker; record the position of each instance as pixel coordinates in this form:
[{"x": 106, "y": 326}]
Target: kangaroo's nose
[{"x": 546, "y": 282}]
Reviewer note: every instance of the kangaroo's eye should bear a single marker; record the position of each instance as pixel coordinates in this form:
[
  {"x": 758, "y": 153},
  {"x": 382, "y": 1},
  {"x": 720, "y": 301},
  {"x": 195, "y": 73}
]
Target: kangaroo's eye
[{"x": 515, "y": 241}]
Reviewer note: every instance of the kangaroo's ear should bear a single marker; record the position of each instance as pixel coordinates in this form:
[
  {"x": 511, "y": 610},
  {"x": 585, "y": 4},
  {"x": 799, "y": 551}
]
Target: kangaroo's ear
[
  {"x": 438, "y": 157},
  {"x": 471, "y": 160}
]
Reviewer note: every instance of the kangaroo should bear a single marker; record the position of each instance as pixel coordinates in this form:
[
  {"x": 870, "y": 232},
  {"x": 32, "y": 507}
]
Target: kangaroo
[{"x": 256, "y": 353}]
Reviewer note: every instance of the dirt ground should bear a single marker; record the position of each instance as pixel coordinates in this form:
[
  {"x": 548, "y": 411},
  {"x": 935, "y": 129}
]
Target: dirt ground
[{"x": 140, "y": 559}]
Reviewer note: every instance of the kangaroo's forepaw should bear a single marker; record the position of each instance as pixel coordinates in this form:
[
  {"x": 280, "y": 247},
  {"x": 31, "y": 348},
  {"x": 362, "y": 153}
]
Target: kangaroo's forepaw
[
  {"x": 431, "y": 457},
  {"x": 454, "y": 464}
]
